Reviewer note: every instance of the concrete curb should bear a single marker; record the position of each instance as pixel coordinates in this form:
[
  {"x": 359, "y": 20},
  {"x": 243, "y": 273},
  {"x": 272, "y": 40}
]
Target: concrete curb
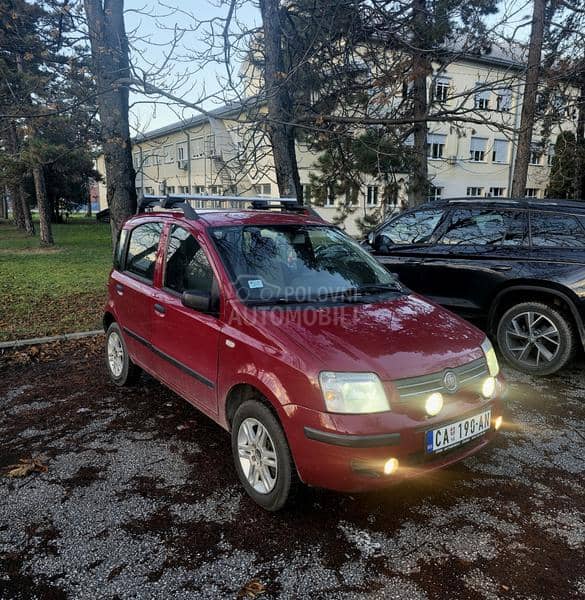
[{"x": 46, "y": 340}]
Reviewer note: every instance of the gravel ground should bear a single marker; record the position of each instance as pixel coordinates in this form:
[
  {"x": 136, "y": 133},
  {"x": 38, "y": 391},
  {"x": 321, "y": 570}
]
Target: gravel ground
[{"x": 141, "y": 501}]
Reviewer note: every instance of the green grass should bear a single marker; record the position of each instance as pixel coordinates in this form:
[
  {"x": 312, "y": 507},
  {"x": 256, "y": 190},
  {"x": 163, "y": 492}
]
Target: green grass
[{"x": 50, "y": 291}]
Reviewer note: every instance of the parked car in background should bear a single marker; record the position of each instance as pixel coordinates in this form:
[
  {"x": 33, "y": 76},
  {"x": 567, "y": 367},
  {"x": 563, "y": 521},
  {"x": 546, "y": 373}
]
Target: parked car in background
[
  {"x": 283, "y": 330},
  {"x": 518, "y": 265}
]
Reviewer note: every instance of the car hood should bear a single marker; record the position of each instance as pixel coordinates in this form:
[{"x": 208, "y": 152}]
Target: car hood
[{"x": 401, "y": 337}]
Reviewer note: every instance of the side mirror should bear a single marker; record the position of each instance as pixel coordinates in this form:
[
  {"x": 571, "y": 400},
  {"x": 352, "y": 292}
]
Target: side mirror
[{"x": 200, "y": 301}]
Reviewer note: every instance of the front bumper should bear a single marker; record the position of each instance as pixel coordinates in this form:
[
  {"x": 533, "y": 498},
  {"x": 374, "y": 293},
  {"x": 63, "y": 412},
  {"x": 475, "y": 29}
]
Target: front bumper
[{"x": 347, "y": 452}]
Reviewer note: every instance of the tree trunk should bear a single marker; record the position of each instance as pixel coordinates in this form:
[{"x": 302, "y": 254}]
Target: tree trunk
[
  {"x": 109, "y": 49},
  {"x": 579, "y": 181},
  {"x": 17, "y": 215},
  {"x": 25, "y": 208},
  {"x": 418, "y": 188},
  {"x": 528, "y": 114},
  {"x": 279, "y": 103},
  {"x": 46, "y": 232}
]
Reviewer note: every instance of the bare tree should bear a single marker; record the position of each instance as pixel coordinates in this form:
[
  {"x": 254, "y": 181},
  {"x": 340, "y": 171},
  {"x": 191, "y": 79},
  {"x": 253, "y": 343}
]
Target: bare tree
[
  {"x": 528, "y": 115},
  {"x": 111, "y": 66}
]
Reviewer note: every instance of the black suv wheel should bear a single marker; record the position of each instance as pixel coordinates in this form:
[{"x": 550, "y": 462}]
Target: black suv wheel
[{"x": 536, "y": 338}]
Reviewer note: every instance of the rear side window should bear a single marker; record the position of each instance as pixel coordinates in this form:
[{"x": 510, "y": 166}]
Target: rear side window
[
  {"x": 142, "y": 248},
  {"x": 413, "y": 228},
  {"x": 476, "y": 226},
  {"x": 551, "y": 230},
  {"x": 187, "y": 266},
  {"x": 120, "y": 247}
]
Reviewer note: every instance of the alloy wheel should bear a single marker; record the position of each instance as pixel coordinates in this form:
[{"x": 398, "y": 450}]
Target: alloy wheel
[
  {"x": 257, "y": 455},
  {"x": 115, "y": 354},
  {"x": 532, "y": 338}
]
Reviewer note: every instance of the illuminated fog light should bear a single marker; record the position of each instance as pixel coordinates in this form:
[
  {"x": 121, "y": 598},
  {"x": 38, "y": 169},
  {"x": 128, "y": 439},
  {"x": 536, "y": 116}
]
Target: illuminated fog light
[
  {"x": 434, "y": 404},
  {"x": 498, "y": 422},
  {"x": 488, "y": 389},
  {"x": 391, "y": 466}
]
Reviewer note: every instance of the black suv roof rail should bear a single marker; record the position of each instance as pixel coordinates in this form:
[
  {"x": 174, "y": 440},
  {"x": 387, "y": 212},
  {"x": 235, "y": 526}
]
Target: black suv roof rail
[
  {"x": 527, "y": 202},
  {"x": 183, "y": 202}
]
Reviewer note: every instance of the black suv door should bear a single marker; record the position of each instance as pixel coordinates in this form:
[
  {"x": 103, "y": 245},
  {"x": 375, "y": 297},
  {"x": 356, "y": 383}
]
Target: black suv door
[
  {"x": 477, "y": 250},
  {"x": 402, "y": 243}
]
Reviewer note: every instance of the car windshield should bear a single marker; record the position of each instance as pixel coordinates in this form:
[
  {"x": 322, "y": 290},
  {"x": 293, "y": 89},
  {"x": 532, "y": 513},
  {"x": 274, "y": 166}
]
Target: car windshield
[{"x": 299, "y": 263}]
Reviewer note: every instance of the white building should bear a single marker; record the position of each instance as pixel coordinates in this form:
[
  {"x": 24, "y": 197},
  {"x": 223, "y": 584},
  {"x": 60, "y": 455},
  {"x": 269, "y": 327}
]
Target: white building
[{"x": 219, "y": 154}]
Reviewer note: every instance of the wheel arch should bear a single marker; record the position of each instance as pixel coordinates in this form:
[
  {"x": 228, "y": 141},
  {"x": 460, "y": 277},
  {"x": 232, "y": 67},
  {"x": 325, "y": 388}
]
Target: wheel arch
[
  {"x": 243, "y": 391},
  {"x": 107, "y": 320},
  {"x": 516, "y": 293}
]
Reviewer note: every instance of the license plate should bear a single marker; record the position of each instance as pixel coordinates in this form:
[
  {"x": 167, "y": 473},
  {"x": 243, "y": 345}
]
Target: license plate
[{"x": 457, "y": 433}]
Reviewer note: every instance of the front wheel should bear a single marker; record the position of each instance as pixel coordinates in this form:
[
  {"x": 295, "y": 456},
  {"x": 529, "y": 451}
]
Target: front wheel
[
  {"x": 262, "y": 456},
  {"x": 536, "y": 338}
]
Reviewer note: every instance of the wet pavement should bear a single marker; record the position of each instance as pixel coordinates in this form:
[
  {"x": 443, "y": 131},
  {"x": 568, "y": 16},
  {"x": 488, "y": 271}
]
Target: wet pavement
[{"x": 141, "y": 500}]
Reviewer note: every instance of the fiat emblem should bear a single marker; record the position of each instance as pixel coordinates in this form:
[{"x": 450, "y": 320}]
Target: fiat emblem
[{"x": 450, "y": 382}]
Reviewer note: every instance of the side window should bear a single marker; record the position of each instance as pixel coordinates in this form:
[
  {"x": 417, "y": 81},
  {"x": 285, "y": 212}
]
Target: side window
[
  {"x": 187, "y": 267},
  {"x": 476, "y": 226},
  {"x": 120, "y": 247},
  {"x": 413, "y": 228},
  {"x": 142, "y": 248},
  {"x": 550, "y": 230}
]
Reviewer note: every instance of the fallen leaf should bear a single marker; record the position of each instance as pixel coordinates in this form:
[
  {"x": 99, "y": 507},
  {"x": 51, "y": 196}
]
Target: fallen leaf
[
  {"x": 25, "y": 467},
  {"x": 252, "y": 589}
]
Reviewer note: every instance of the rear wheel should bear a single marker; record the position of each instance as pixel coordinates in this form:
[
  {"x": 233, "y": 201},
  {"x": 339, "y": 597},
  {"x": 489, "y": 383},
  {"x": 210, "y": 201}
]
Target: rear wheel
[
  {"x": 536, "y": 338},
  {"x": 262, "y": 456},
  {"x": 121, "y": 369}
]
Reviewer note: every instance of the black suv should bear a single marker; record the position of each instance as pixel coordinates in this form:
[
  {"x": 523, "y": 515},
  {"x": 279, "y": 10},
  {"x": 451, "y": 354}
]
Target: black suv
[{"x": 519, "y": 265}]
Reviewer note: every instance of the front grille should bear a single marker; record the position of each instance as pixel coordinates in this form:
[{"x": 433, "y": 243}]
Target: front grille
[{"x": 469, "y": 376}]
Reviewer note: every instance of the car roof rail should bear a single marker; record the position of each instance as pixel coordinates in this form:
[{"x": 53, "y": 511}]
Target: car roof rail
[{"x": 183, "y": 202}]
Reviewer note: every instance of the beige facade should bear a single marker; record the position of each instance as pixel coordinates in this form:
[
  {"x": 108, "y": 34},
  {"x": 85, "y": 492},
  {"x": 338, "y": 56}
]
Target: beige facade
[{"x": 220, "y": 154}]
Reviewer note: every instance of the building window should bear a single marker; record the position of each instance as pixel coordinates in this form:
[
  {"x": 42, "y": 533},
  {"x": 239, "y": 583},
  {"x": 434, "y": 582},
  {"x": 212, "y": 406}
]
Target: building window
[
  {"x": 148, "y": 190},
  {"x": 169, "y": 154},
  {"x": 436, "y": 145},
  {"x": 531, "y": 193},
  {"x": 184, "y": 189},
  {"x": 263, "y": 189},
  {"x": 504, "y": 100},
  {"x": 435, "y": 193},
  {"x": 198, "y": 147},
  {"x": 497, "y": 192},
  {"x": 500, "y": 151},
  {"x": 170, "y": 189},
  {"x": 442, "y": 89},
  {"x": 306, "y": 193},
  {"x": 477, "y": 149},
  {"x": 372, "y": 195},
  {"x": 216, "y": 190},
  {"x": 136, "y": 160},
  {"x": 330, "y": 196},
  {"x": 535, "y": 155},
  {"x": 199, "y": 190},
  {"x": 550, "y": 155},
  {"x": 482, "y": 99},
  {"x": 181, "y": 152},
  {"x": 474, "y": 191}
]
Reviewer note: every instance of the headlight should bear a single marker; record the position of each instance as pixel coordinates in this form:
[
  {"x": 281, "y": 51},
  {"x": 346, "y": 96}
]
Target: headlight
[
  {"x": 353, "y": 392},
  {"x": 490, "y": 356},
  {"x": 434, "y": 404}
]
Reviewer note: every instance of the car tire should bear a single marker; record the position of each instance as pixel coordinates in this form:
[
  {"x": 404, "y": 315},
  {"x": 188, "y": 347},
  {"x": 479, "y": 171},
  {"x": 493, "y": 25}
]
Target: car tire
[
  {"x": 121, "y": 369},
  {"x": 272, "y": 487},
  {"x": 541, "y": 348}
]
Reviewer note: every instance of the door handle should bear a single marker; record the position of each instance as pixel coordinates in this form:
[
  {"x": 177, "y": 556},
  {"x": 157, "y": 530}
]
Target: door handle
[
  {"x": 159, "y": 308},
  {"x": 119, "y": 288},
  {"x": 502, "y": 268}
]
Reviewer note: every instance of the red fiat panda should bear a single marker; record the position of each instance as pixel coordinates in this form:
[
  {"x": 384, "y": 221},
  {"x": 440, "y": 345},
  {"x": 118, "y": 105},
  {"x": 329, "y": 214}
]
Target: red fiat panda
[{"x": 322, "y": 366}]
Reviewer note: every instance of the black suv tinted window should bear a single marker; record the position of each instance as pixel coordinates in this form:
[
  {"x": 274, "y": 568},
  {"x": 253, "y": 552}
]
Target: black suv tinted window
[
  {"x": 556, "y": 230},
  {"x": 479, "y": 226},
  {"x": 142, "y": 248},
  {"x": 412, "y": 228},
  {"x": 187, "y": 267}
]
